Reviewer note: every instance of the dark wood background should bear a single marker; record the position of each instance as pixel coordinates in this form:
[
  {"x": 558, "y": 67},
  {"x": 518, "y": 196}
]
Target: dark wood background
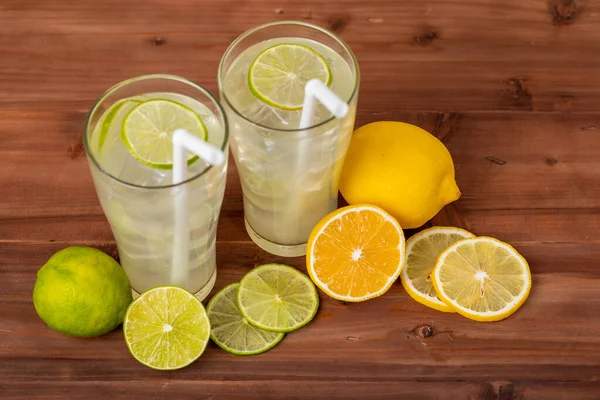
[{"x": 512, "y": 87}]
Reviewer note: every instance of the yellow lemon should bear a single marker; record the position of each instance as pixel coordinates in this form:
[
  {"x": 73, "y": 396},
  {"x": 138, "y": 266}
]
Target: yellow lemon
[{"x": 401, "y": 168}]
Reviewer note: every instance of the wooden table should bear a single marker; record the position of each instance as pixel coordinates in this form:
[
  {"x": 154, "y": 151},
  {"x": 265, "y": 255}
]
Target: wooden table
[{"x": 512, "y": 88}]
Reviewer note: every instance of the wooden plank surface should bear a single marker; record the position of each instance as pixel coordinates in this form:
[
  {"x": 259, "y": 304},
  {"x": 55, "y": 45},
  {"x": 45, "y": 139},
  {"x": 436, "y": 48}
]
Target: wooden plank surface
[{"x": 512, "y": 89}]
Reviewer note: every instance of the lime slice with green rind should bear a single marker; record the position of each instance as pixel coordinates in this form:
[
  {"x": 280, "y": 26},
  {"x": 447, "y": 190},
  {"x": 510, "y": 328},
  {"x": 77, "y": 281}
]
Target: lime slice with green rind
[
  {"x": 278, "y": 298},
  {"x": 117, "y": 110},
  {"x": 231, "y": 331},
  {"x": 166, "y": 328},
  {"x": 148, "y": 130},
  {"x": 279, "y": 74}
]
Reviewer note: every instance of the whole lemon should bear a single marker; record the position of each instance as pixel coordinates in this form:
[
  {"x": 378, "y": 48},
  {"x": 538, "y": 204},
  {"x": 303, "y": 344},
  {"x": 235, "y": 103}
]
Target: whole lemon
[
  {"x": 81, "y": 291},
  {"x": 401, "y": 168}
]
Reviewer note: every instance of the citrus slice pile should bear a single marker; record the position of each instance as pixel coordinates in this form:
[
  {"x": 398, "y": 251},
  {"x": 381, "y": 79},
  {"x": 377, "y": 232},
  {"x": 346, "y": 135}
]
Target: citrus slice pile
[
  {"x": 231, "y": 331},
  {"x": 252, "y": 316}
]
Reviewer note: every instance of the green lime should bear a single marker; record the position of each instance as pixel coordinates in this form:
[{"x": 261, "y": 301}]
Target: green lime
[
  {"x": 278, "y": 74},
  {"x": 231, "y": 331},
  {"x": 119, "y": 109},
  {"x": 148, "y": 130},
  {"x": 277, "y": 298},
  {"x": 166, "y": 328},
  {"x": 81, "y": 291}
]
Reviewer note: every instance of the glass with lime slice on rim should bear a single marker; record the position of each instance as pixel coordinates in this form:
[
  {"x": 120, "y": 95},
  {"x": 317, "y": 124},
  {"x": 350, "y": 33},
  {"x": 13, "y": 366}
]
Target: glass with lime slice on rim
[
  {"x": 128, "y": 139},
  {"x": 262, "y": 79}
]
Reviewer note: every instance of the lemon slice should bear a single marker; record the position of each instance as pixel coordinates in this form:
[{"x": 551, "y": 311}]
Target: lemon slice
[
  {"x": 482, "y": 278},
  {"x": 231, "y": 331},
  {"x": 356, "y": 253},
  {"x": 148, "y": 130},
  {"x": 279, "y": 73},
  {"x": 422, "y": 251},
  {"x": 277, "y": 298},
  {"x": 166, "y": 328}
]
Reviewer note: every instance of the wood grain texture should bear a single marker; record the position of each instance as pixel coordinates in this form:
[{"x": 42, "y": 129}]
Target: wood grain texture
[
  {"x": 512, "y": 89},
  {"x": 429, "y": 55}
]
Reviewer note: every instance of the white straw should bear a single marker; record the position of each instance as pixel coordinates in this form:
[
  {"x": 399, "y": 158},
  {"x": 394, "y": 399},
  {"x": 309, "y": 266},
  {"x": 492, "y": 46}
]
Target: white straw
[
  {"x": 314, "y": 90},
  {"x": 182, "y": 141},
  {"x": 317, "y": 90}
]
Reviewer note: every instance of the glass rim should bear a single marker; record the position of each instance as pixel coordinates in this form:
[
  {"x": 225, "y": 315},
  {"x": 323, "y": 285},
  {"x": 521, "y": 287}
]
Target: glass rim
[
  {"x": 126, "y": 82},
  {"x": 290, "y": 22}
]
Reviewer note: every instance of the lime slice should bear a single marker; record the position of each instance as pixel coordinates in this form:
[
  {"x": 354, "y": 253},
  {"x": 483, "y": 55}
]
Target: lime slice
[
  {"x": 277, "y": 298},
  {"x": 278, "y": 74},
  {"x": 166, "y": 328},
  {"x": 119, "y": 109},
  {"x": 231, "y": 331},
  {"x": 148, "y": 129}
]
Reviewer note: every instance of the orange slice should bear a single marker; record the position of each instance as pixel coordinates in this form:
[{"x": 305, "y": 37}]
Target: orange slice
[{"x": 356, "y": 253}]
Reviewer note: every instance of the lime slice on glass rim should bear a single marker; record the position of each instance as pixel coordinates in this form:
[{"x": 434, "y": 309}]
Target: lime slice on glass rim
[
  {"x": 147, "y": 131},
  {"x": 279, "y": 74},
  {"x": 166, "y": 328},
  {"x": 278, "y": 298},
  {"x": 231, "y": 331}
]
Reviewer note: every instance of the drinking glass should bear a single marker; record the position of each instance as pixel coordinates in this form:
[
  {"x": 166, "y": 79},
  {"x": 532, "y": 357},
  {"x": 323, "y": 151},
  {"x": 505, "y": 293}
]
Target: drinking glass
[
  {"x": 289, "y": 176},
  {"x": 139, "y": 201}
]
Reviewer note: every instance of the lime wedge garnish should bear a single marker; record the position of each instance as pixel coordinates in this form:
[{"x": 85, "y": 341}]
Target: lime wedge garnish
[
  {"x": 277, "y": 298},
  {"x": 148, "y": 129},
  {"x": 118, "y": 110},
  {"x": 278, "y": 74},
  {"x": 231, "y": 331},
  {"x": 166, "y": 328}
]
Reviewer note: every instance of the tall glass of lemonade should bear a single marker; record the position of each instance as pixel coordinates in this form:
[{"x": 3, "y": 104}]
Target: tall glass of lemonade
[
  {"x": 289, "y": 176},
  {"x": 127, "y": 137}
]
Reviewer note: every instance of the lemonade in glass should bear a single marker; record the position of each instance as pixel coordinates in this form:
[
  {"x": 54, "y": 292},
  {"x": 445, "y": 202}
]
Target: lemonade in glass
[
  {"x": 127, "y": 138},
  {"x": 289, "y": 176}
]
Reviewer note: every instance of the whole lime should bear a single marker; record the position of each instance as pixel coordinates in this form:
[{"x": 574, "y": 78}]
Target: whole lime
[{"x": 82, "y": 291}]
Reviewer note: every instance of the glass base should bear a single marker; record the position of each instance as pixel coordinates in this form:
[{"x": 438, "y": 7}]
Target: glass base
[
  {"x": 200, "y": 294},
  {"x": 275, "y": 248}
]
